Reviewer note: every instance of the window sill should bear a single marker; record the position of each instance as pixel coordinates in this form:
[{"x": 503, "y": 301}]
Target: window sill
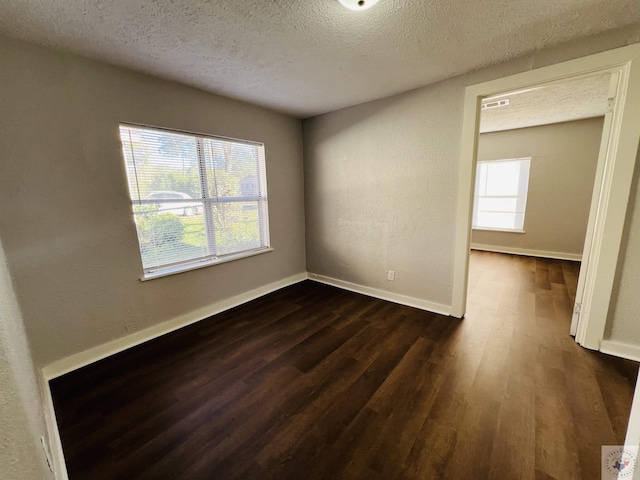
[
  {"x": 163, "y": 272},
  {"x": 506, "y": 230}
]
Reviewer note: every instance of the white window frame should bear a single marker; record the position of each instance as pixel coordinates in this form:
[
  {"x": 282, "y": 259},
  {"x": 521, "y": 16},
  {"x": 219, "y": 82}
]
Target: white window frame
[
  {"x": 211, "y": 258},
  {"x": 521, "y": 196}
]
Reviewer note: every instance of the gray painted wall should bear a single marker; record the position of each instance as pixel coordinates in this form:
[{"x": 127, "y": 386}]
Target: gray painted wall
[
  {"x": 21, "y": 418},
  {"x": 623, "y": 323},
  {"x": 381, "y": 181},
  {"x": 564, "y": 157},
  {"x": 65, "y": 213}
]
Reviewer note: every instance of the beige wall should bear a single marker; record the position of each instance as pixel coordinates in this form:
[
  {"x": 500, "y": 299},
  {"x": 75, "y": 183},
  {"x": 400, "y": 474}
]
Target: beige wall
[
  {"x": 563, "y": 166},
  {"x": 381, "y": 180},
  {"x": 65, "y": 213},
  {"x": 21, "y": 417},
  {"x": 623, "y": 323}
]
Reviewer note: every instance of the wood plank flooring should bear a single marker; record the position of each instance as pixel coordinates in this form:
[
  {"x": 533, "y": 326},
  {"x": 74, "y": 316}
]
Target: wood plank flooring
[{"x": 312, "y": 382}]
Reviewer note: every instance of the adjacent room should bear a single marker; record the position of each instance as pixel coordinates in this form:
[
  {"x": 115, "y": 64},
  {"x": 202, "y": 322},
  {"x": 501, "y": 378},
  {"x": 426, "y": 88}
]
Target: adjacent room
[{"x": 332, "y": 239}]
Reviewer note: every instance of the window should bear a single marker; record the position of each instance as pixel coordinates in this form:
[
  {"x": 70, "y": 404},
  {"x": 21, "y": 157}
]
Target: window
[
  {"x": 501, "y": 194},
  {"x": 197, "y": 200}
]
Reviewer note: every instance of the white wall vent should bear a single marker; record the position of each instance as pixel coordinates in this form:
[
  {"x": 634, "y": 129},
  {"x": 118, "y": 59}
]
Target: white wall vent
[{"x": 496, "y": 104}]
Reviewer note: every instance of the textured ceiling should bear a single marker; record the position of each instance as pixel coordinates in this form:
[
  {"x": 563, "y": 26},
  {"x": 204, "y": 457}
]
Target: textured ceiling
[
  {"x": 575, "y": 99},
  {"x": 305, "y": 57}
]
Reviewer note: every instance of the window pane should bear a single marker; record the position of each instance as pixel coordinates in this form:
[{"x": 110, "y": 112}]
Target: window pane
[
  {"x": 481, "y": 178},
  {"x": 496, "y": 220},
  {"x": 501, "y": 193},
  {"x": 497, "y": 204},
  {"x": 166, "y": 238},
  {"x": 503, "y": 178},
  {"x": 237, "y": 226},
  {"x": 162, "y": 164},
  {"x": 232, "y": 168}
]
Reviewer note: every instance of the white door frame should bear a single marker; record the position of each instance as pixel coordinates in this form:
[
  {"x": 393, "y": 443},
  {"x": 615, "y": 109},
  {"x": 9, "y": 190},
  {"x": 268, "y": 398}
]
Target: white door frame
[
  {"x": 578, "y": 313},
  {"x": 616, "y": 185}
]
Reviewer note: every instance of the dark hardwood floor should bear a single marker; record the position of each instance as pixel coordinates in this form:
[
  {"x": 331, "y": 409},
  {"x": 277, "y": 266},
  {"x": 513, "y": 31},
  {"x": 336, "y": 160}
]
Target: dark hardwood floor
[{"x": 312, "y": 382}]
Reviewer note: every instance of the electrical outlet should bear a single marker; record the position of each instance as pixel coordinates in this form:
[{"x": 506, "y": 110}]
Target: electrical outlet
[{"x": 391, "y": 275}]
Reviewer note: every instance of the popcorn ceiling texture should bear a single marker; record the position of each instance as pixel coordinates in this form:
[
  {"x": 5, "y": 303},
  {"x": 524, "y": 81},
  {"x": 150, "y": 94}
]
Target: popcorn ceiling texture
[
  {"x": 21, "y": 418},
  {"x": 560, "y": 102},
  {"x": 308, "y": 57}
]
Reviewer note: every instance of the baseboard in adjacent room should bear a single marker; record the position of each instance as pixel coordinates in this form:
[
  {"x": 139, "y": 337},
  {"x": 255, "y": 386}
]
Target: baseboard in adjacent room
[
  {"x": 79, "y": 360},
  {"x": 384, "y": 295},
  {"x": 620, "y": 349},
  {"x": 527, "y": 252}
]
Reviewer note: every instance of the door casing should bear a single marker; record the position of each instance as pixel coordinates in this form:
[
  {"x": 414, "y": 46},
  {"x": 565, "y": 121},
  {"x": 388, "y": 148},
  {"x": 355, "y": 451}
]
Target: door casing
[{"x": 612, "y": 197}]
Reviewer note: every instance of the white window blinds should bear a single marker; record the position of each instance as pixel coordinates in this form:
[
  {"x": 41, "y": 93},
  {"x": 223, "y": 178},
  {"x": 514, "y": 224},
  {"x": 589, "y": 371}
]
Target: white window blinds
[
  {"x": 196, "y": 199},
  {"x": 501, "y": 194}
]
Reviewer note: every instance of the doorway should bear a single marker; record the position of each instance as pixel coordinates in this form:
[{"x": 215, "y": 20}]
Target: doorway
[
  {"x": 610, "y": 198},
  {"x": 536, "y": 170}
]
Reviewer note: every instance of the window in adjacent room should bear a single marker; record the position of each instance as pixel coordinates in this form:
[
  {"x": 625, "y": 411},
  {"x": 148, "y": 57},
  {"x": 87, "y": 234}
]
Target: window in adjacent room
[
  {"x": 197, "y": 199},
  {"x": 501, "y": 194}
]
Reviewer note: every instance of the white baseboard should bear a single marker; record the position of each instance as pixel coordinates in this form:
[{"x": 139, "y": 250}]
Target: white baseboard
[
  {"x": 527, "y": 252},
  {"x": 620, "y": 349},
  {"x": 79, "y": 360},
  {"x": 384, "y": 295}
]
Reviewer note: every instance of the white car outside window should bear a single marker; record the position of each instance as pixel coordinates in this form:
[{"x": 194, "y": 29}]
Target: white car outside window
[{"x": 176, "y": 208}]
